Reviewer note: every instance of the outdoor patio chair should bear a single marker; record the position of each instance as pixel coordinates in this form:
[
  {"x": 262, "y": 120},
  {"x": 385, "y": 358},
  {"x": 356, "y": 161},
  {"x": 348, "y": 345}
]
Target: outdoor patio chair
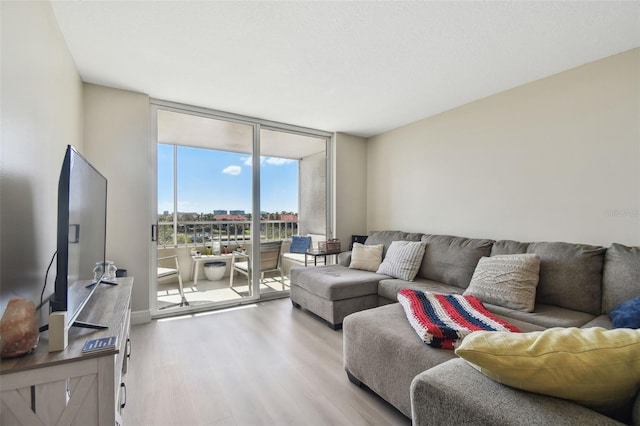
[
  {"x": 269, "y": 262},
  {"x": 167, "y": 272}
]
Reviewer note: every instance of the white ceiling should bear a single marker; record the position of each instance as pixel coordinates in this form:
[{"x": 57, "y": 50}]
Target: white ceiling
[{"x": 356, "y": 67}]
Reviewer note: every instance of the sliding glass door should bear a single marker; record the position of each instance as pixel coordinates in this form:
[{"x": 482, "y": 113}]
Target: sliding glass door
[{"x": 226, "y": 214}]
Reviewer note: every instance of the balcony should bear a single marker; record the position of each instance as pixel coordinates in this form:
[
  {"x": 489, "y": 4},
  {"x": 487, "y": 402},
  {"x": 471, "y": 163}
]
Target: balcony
[{"x": 206, "y": 237}]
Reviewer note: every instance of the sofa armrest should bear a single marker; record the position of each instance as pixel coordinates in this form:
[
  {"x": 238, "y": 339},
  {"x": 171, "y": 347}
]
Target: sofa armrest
[
  {"x": 455, "y": 393},
  {"x": 344, "y": 258}
]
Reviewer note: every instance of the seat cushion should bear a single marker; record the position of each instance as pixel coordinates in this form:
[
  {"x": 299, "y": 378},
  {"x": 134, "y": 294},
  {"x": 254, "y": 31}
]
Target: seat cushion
[
  {"x": 336, "y": 282},
  {"x": 389, "y": 288}
]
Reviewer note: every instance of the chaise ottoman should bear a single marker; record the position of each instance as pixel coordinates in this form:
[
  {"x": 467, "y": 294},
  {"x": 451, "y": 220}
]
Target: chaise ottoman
[{"x": 334, "y": 291}]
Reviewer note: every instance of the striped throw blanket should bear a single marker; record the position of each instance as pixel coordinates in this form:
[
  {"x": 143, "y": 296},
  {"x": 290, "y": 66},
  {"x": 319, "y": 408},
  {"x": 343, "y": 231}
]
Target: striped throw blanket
[{"x": 443, "y": 320}]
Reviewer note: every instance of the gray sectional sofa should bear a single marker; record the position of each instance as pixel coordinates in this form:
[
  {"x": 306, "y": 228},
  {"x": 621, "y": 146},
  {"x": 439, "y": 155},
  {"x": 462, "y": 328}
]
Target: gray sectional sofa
[{"x": 578, "y": 285}]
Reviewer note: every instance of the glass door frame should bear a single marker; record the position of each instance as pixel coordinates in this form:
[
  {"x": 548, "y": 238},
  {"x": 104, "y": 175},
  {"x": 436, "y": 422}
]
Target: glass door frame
[{"x": 257, "y": 125}]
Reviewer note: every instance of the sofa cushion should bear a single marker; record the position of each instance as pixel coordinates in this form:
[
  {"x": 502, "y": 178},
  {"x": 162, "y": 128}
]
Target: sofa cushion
[
  {"x": 621, "y": 275},
  {"x": 452, "y": 260},
  {"x": 387, "y": 237},
  {"x": 389, "y": 288},
  {"x": 626, "y": 314},
  {"x": 570, "y": 275},
  {"x": 546, "y": 316},
  {"x": 366, "y": 257},
  {"x": 336, "y": 282},
  {"x": 383, "y": 352},
  {"x": 508, "y": 280},
  {"x": 403, "y": 260},
  {"x": 453, "y": 393},
  {"x": 593, "y": 366},
  {"x": 508, "y": 247}
]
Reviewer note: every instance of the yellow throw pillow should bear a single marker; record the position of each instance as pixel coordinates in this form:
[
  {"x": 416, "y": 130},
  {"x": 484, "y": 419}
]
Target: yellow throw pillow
[{"x": 595, "y": 367}]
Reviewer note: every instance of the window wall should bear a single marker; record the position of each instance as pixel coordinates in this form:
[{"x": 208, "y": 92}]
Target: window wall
[{"x": 220, "y": 203}]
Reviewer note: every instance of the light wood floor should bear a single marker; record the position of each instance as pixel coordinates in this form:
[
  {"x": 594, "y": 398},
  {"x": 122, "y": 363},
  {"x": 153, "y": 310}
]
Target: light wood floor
[{"x": 263, "y": 364}]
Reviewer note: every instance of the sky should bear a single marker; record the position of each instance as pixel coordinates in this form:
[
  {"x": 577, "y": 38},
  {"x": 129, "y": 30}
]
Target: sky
[{"x": 217, "y": 180}]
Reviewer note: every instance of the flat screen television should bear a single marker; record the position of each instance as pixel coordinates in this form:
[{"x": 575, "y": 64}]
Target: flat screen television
[{"x": 81, "y": 241}]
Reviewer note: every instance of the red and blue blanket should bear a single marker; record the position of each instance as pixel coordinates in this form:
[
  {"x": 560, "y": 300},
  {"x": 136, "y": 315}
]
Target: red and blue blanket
[{"x": 443, "y": 320}]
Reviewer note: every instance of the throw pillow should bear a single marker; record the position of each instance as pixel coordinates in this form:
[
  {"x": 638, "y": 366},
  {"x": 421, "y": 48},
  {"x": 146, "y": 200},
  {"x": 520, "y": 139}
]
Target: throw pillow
[
  {"x": 403, "y": 260},
  {"x": 366, "y": 257},
  {"x": 595, "y": 367},
  {"x": 626, "y": 314},
  {"x": 508, "y": 280},
  {"x": 299, "y": 244}
]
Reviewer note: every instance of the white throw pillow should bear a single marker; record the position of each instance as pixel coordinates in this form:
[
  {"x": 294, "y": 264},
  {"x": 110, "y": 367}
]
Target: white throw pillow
[
  {"x": 508, "y": 280},
  {"x": 366, "y": 257},
  {"x": 403, "y": 260}
]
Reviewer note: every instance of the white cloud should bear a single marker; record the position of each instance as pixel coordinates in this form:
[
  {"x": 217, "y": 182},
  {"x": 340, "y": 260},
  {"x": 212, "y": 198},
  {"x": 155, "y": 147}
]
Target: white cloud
[
  {"x": 278, "y": 161},
  {"x": 232, "y": 170},
  {"x": 273, "y": 161}
]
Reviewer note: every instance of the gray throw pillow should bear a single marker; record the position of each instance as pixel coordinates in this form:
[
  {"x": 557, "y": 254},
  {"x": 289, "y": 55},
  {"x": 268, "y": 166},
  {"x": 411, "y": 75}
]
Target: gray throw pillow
[
  {"x": 403, "y": 260},
  {"x": 508, "y": 280}
]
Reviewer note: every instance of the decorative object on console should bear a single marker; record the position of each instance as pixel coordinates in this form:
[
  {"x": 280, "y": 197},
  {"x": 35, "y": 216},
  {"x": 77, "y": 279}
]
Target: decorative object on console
[
  {"x": 444, "y": 320},
  {"x": 626, "y": 314},
  {"x": 593, "y": 366},
  {"x": 403, "y": 260},
  {"x": 508, "y": 280},
  {"x": 366, "y": 257},
  {"x": 329, "y": 246},
  {"x": 19, "y": 333}
]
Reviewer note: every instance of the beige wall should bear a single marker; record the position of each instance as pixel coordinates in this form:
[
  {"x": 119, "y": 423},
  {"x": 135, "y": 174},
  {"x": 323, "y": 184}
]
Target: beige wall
[
  {"x": 117, "y": 141},
  {"x": 349, "y": 187},
  {"x": 41, "y": 113},
  {"x": 556, "y": 159}
]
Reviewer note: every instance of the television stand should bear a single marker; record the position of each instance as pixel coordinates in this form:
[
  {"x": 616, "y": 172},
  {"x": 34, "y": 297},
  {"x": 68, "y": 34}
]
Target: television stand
[
  {"x": 80, "y": 324},
  {"x": 110, "y": 282},
  {"x": 69, "y": 386}
]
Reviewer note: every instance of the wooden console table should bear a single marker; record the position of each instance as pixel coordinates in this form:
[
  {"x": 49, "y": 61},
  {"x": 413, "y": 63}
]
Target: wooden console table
[{"x": 69, "y": 387}]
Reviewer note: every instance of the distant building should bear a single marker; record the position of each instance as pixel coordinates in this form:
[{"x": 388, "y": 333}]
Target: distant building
[
  {"x": 221, "y": 212},
  {"x": 166, "y": 213},
  {"x": 230, "y": 217},
  {"x": 236, "y": 212},
  {"x": 289, "y": 217}
]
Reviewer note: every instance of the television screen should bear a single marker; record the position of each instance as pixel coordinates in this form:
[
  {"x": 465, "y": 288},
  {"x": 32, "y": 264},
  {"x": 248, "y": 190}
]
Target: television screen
[{"x": 82, "y": 219}]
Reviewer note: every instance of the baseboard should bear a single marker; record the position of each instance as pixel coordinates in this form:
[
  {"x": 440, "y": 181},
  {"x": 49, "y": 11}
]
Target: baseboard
[{"x": 140, "y": 317}]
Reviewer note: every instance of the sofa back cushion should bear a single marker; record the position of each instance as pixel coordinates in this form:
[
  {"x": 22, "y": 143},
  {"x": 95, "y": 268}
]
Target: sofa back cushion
[
  {"x": 452, "y": 260},
  {"x": 621, "y": 276},
  {"x": 570, "y": 274},
  {"x": 387, "y": 237}
]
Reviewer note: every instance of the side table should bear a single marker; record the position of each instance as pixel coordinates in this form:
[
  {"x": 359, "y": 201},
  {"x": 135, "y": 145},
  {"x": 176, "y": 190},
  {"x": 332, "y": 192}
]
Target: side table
[{"x": 317, "y": 253}]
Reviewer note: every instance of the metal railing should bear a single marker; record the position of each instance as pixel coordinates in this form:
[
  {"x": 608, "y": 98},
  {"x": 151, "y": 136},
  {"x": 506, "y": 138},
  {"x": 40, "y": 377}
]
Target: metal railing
[{"x": 193, "y": 233}]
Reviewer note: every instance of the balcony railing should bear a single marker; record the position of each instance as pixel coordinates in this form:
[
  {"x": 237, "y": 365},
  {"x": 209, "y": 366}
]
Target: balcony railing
[{"x": 188, "y": 233}]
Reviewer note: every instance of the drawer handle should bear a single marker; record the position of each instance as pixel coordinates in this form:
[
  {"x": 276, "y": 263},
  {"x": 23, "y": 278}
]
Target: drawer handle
[
  {"x": 123, "y": 387},
  {"x": 128, "y": 348}
]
